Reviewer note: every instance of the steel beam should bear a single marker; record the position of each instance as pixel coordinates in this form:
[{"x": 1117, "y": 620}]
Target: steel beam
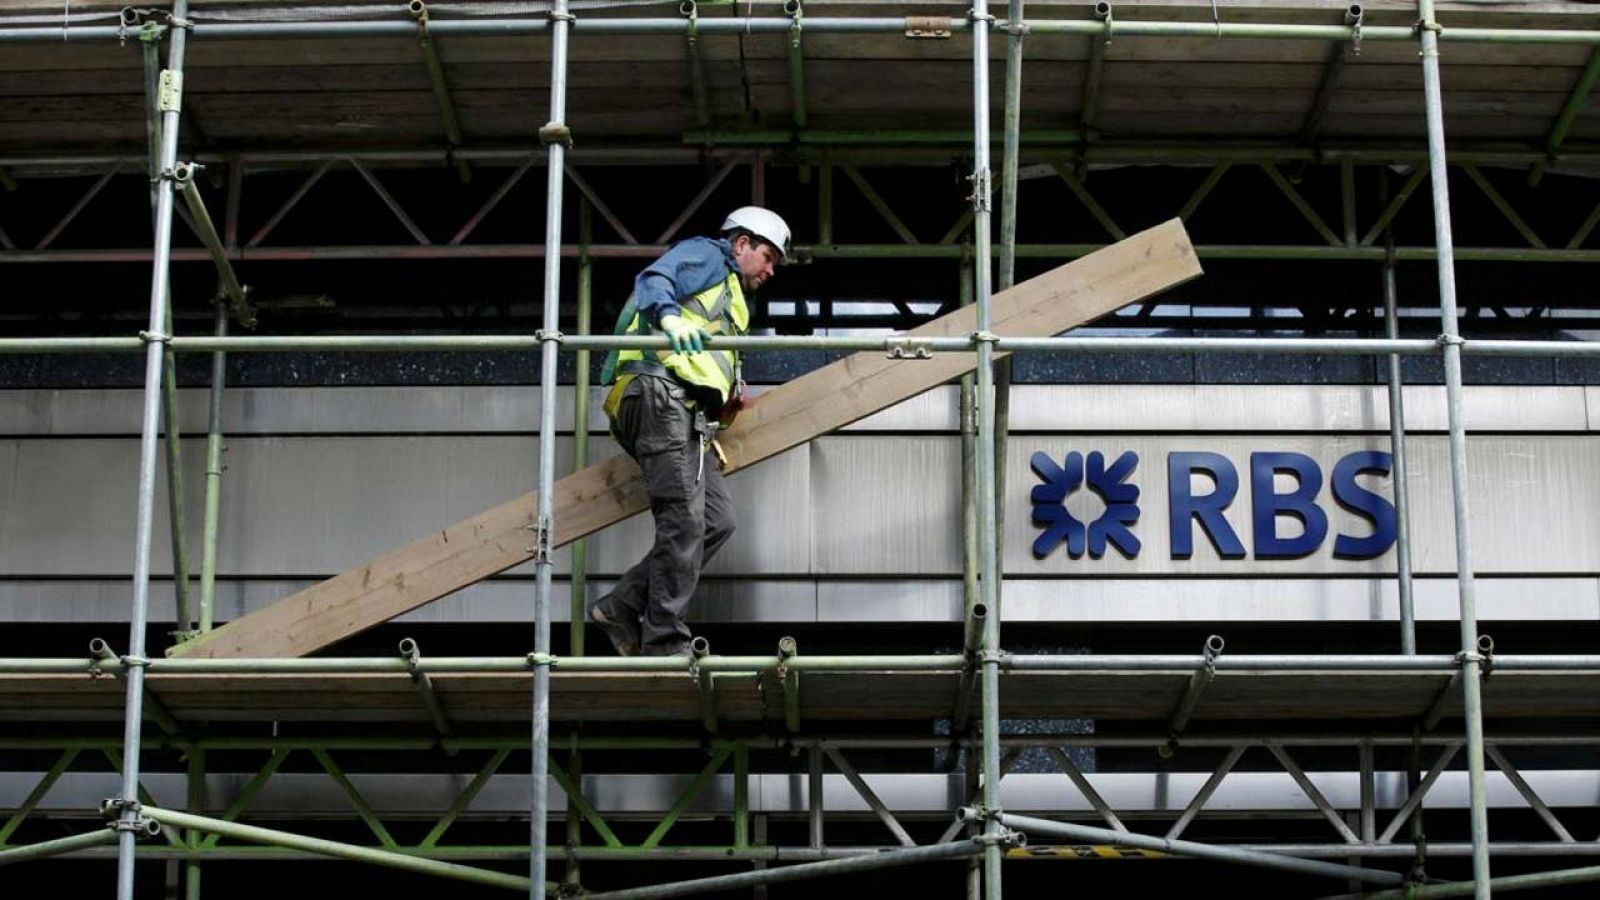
[{"x": 869, "y": 796}]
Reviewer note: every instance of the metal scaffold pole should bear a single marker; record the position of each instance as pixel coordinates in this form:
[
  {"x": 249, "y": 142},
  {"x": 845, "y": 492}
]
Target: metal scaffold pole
[
  {"x": 1450, "y": 338},
  {"x": 988, "y": 568},
  {"x": 555, "y": 137},
  {"x": 129, "y": 822}
]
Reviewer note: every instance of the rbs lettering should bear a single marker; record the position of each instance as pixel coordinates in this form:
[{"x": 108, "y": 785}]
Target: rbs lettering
[
  {"x": 1186, "y": 508},
  {"x": 1267, "y": 505}
]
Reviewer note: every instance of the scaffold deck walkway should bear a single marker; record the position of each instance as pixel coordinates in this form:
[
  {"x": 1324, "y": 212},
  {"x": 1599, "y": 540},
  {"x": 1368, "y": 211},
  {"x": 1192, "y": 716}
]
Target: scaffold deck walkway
[{"x": 745, "y": 697}]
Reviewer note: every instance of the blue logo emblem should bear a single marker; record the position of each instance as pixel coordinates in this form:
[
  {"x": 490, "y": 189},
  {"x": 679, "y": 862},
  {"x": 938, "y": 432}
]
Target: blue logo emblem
[{"x": 1060, "y": 526}]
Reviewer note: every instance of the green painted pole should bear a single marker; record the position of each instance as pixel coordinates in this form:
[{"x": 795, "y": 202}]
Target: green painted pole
[
  {"x": 339, "y": 850},
  {"x": 811, "y": 137},
  {"x": 578, "y": 585},
  {"x": 38, "y": 793},
  {"x": 848, "y": 866},
  {"x": 797, "y": 66},
  {"x": 1569, "y": 113},
  {"x": 47, "y": 849},
  {"x": 741, "y": 797},
  {"x": 196, "y": 802}
]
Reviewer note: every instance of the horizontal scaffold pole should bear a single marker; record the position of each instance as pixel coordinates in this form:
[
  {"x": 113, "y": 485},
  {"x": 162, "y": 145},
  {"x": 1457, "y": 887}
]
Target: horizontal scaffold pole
[
  {"x": 897, "y": 346},
  {"x": 783, "y": 854},
  {"x": 900, "y": 252},
  {"x": 1435, "y": 664},
  {"x": 402, "y": 26}
]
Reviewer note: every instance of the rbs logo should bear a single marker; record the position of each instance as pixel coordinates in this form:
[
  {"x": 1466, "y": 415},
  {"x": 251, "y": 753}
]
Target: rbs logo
[{"x": 1185, "y": 508}]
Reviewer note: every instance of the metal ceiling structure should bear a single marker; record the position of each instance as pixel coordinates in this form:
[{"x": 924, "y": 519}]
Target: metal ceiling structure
[{"x": 533, "y": 689}]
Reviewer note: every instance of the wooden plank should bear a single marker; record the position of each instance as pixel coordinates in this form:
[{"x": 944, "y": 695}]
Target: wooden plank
[
  {"x": 837, "y": 696},
  {"x": 786, "y": 416}
]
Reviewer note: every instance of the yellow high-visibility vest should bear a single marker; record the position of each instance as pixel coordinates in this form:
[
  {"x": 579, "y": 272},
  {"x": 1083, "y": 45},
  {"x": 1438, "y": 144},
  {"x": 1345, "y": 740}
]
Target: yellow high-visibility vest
[{"x": 719, "y": 309}]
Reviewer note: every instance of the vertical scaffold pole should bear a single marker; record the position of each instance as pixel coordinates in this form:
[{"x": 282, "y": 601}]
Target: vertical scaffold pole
[
  {"x": 1402, "y": 513},
  {"x": 1472, "y": 699},
  {"x": 555, "y": 137},
  {"x": 1011, "y": 142},
  {"x": 988, "y": 568},
  {"x": 1397, "y": 448},
  {"x": 579, "y": 582},
  {"x": 169, "y": 102}
]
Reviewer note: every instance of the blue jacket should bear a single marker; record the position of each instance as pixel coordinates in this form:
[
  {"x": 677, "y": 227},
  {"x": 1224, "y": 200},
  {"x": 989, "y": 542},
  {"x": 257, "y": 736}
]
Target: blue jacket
[{"x": 686, "y": 269}]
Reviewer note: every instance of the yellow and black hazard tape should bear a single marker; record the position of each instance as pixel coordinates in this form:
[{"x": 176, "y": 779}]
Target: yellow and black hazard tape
[{"x": 1083, "y": 851}]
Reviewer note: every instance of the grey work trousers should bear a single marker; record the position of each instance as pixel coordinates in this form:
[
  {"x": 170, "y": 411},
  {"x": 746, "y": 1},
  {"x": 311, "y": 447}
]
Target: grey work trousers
[{"x": 693, "y": 512}]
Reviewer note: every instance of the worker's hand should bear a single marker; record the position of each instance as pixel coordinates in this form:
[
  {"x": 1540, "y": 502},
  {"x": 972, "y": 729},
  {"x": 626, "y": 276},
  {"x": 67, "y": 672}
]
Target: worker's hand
[
  {"x": 738, "y": 399},
  {"x": 684, "y": 337}
]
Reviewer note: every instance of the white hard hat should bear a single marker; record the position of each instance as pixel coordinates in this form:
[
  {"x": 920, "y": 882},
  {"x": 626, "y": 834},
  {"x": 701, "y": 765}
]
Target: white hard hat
[{"x": 764, "y": 224}]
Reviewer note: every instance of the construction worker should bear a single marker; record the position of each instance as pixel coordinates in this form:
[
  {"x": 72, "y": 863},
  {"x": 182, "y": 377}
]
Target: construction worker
[{"x": 664, "y": 405}]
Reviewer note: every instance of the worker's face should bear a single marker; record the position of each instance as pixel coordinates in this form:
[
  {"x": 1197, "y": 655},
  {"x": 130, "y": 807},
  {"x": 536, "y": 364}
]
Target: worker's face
[{"x": 757, "y": 260}]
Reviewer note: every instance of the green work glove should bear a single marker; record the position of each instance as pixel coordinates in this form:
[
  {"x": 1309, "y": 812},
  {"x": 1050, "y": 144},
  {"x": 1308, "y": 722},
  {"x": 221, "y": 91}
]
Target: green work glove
[{"x": 684, "y": 337}]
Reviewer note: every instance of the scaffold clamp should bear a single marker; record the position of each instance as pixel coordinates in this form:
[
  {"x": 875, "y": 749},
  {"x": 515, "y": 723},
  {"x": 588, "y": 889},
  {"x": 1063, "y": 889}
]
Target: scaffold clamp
[
  {"x": 977, "y": 812},
  {"x": 981, "y": 190},
  {"x": 909, "y": 348},
  {"x": 154, "y": 337},
  {"x": 540, "y": 549},
  {"x": 1485, "y": 654},
  {"x": 555, "y": 133},
  {"x": 127, "y": 815},
  {"x": 929, "y": 27},
  {"x": 1446, "y": 340},
  {"x": 542, "y": 335},
  {"x": 1005, "y": 837}
]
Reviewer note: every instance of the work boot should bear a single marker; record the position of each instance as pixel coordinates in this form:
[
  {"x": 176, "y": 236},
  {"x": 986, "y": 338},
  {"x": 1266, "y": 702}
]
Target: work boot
[{"x": 621, "y": 628}]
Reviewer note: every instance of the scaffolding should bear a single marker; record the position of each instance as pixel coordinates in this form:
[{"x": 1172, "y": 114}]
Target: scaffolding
[{"x": 983, "y": 828}]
